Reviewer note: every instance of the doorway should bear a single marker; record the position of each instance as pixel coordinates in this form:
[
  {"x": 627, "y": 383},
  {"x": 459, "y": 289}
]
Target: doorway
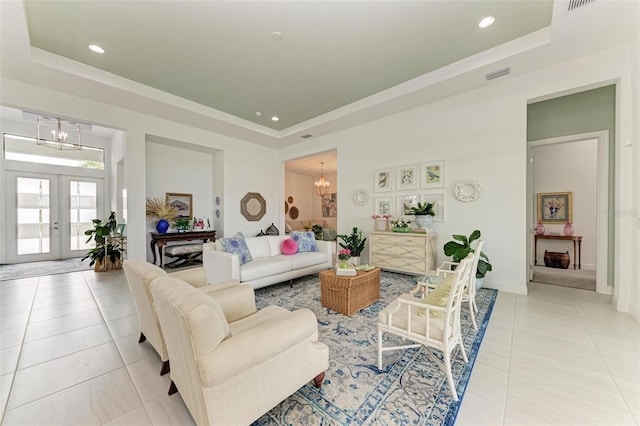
[
  {"x": 48, "y": 214},
  {"x": 576, "y": 165}
]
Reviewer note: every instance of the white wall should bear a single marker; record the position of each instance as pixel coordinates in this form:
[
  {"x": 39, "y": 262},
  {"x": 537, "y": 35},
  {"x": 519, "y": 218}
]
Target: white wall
[
  {"x": 570, "y": 167},
  {"x": 481, "y": 135}
]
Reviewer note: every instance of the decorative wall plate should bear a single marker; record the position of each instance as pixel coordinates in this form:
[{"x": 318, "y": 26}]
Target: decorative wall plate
[
  {"x": 467, "y": 190},
  {"x": 286, "y": 207},
  {"x": 217, "y": 200},
  {"x": 290, "y": 199},
  {"x": 293, "y": 212},
  {"x": 218, "y": 213},
  {"x": 360, "y": 197}
]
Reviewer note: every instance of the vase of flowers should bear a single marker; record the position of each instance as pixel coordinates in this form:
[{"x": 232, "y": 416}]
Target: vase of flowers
[
  {"x": 159, "y": 209},
  {"x": 344, "y": 255},
  {"x": 400, "y": 225}
]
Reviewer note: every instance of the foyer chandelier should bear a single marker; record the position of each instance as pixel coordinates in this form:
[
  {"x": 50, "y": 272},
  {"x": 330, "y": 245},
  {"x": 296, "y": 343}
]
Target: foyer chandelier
[
  {"x": 322, "y": 186},
  {"x": 59, "y": 134}
]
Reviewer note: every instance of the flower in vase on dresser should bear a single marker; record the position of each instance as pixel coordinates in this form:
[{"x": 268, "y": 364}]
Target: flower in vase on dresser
[
  {"x": 344, "y": 255},
  {"x": 400, "y": 225}
]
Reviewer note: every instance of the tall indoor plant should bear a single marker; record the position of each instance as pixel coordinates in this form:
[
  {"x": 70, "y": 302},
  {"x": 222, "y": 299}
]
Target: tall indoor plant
[
  {"x": 461, "y": 247},
  {"x": 105, "y": 248},
  {"x": 354, "y": 243}
]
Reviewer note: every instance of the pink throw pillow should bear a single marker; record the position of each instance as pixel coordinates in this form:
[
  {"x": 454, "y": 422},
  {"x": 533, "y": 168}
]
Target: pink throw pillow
[{"x": 289, "y": 246}]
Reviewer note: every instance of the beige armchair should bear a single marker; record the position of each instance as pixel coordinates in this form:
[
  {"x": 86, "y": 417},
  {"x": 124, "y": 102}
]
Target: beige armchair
[
  {"x": 139, "y": 276},
  {"x": 232, "y": 372}
]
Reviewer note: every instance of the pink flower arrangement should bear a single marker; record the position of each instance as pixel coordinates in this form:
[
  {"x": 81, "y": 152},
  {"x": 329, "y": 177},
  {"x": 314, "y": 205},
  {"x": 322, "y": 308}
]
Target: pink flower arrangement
[
  {"x": 344, "y": 254},
  {"x": 384, "y": 216}
]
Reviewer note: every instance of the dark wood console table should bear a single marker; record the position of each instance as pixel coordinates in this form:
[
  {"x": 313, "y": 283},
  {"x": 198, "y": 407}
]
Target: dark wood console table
[
  {"x": 161, "y": 240},
  {"x": 574, "y": 238}
]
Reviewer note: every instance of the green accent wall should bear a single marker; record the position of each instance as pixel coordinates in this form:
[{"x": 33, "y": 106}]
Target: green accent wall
[{"x": 588, "y": 111}]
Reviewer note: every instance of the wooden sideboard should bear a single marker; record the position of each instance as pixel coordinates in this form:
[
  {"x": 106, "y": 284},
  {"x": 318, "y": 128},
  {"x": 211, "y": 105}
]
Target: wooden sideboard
[
  {"x": 161, "y": 240},
  {"x": 409, "y": 253}
]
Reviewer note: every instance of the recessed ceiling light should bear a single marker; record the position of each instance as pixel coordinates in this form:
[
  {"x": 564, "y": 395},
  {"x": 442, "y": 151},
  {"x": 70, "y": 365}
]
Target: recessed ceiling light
[
  {"x": 276, "y": 35},
  {"x": 96, "y": 48},
  {"x": 485, "y": 22},
  {"x": 258, "y": 114},
  {"x": 275, "y": 118}
]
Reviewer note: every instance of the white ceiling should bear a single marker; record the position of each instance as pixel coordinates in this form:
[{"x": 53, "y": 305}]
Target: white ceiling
[{"x": 212, "y": 64}]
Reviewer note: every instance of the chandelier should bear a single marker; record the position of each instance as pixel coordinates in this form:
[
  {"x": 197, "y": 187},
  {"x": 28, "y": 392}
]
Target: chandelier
[
  {"x": 58, "y": 133},
  {"x": 322, "y": 186}
]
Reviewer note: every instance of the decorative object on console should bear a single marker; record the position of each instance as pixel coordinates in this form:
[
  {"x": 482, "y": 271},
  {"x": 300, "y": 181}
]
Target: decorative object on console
[
  {"x": 183, "y": 202},
  {"x": 182, "y": 224},
  {"x": 432, "y": 175},
  {"x": 321, "y": 185},
  {"x": 540, "y": 229},
  {"x": 161, "y": 211},
  {"x": 407, "y": 177},
  {"x": 360, "y": 197},
  {"x": 568, "y": 229},
  {"x": 467, "y": 190},
  {"x": 253, "y": 206},
  {"x": 555, "y": 207}
]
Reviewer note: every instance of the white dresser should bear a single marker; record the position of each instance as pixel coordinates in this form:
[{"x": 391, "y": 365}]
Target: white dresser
[{"x": 400, "y": 252}]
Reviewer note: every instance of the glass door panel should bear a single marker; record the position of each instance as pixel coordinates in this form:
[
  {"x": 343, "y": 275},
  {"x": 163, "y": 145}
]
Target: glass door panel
[{"x": 34, "y": 210}]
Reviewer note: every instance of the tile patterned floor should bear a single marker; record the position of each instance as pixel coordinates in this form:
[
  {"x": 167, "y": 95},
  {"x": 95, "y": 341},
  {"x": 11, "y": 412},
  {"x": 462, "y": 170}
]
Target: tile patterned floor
[{"x": 69, "y": 354}]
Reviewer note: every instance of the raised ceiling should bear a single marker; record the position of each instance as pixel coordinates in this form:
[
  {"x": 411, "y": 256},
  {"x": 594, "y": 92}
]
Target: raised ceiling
[{"x": 225, "y": 55}]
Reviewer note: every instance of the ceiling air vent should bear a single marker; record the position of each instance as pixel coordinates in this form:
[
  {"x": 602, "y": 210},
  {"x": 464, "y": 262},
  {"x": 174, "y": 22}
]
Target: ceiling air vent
[
  {"x": 574, "y": 4},
  {"x": 307, "y": 136},
  {"x": 498, "y": 73}
]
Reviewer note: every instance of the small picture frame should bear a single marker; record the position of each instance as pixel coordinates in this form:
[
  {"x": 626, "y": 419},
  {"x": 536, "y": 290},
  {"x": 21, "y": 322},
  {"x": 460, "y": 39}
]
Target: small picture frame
[
  {"x": 183, "y": 202},
  {"x": 405, "y": 202},
  {"x": 439, "y": 207},
  {"x": 432, "y": 175},
  {"x": 383, "y": 206},
  {"x": 120, "y": 229},
  {"x": 383, "y": 180},
  {"x": 407, "y": 177},
  {"x": 555, "y": 207}
]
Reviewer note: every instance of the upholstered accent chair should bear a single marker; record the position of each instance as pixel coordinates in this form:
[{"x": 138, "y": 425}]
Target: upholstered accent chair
[
  {"x": 432, "y": 321},
  {"x": 232, "y": 372},
  {"x": 447, "y": 268},
  {"x": 139, "y": 275}
]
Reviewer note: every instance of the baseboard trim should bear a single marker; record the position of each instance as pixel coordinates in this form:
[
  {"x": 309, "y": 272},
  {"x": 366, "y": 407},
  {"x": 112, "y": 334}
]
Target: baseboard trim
[{"x": 507, "y": 287}]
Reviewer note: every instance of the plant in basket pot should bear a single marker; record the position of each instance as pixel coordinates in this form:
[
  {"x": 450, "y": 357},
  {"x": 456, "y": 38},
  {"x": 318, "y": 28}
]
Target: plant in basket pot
[
  {"x": 159, "y": 209},
  {"x": 354, "y": 243}
]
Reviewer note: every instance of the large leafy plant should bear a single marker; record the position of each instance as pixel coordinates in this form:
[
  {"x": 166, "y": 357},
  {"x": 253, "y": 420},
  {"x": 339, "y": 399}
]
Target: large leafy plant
[
  {"x": 101, "y": 230},
  {"x": 461, "y": 247},
  {"x": 353, "y": 242},
  {"x": 421, "y": 209}
]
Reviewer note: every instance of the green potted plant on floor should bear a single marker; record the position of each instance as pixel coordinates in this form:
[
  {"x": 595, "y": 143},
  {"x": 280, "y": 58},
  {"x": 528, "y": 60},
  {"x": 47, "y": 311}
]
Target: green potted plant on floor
[
  {"x": 105, "y": 250},
  {"x": 354, "y": 243},
  {"x": 461, "y": 247}
]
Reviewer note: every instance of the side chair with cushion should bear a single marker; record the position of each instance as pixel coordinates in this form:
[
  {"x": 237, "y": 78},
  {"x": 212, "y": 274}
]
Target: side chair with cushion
[
  {"x": 447, "y": 268},
  {"x": 139, "y": 275},
  {"x": 433, "y": 322},
  {"x": 231, "y": 373}
]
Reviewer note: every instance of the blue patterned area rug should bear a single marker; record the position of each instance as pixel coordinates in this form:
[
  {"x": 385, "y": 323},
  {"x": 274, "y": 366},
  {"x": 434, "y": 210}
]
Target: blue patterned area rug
[{"x": 412, "y": 388}]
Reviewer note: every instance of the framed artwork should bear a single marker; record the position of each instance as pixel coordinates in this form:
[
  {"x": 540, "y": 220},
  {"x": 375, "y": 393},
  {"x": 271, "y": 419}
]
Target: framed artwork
[
  {"x": 383, "y": 180},
  {"x": 439, "y": 209},
  {"x": 405, "y": 202},
  {"x": 432, "y": 175},
  {"x": 406, "y": 177},
  {"x": 383, "y": 206},
  {"x": 120, "y": 228},
  {"x": 555, "y": 207},
  {"x": 183, "y": 202},
  {"x": 330, "y": 205}
]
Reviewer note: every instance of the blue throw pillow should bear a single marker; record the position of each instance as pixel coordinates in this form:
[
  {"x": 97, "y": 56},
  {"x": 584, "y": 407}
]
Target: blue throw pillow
[
  {"x": 237, "y": 245},
  {"x": 306, "y": 241}
]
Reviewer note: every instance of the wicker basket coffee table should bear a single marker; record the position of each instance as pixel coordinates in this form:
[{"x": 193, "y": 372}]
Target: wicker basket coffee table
[{"x": 348, "y": 295}]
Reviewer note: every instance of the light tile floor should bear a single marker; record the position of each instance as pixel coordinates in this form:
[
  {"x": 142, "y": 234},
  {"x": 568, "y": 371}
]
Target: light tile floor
[{"x": 69, "y": 354}]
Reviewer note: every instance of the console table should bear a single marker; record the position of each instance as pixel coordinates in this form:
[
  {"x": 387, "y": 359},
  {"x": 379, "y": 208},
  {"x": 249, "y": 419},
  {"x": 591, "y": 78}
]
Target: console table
[
  {"x": 409, "y": 253},
  {"x": 161, "y": 240},
  {"x": 575, "y": 238}
]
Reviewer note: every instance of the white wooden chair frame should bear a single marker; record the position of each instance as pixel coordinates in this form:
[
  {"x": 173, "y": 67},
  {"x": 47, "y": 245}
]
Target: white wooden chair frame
[{"x": 418, "y": 311}]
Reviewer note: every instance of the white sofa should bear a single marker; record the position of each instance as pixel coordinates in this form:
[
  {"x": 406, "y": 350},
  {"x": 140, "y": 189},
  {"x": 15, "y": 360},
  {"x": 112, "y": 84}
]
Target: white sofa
[{"x": 269, "y": 265}]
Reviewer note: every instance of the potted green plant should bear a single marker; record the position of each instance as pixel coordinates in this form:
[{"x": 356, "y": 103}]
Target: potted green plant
[
  {"x": 317, "y": 230},
  {"x": 424, "y": 213},
  {"x": 461, "y": 247},
  {"x": 105, "y": 248},
  {"x": 182, "y": 224},
  {"x": 354, "y": 243}
]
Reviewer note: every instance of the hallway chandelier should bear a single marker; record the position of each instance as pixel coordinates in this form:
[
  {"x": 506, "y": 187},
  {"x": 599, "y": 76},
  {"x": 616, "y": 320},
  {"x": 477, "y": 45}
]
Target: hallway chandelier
[
  {"x": 59, "y": 134},
  {"x": 322, "y": 186}
]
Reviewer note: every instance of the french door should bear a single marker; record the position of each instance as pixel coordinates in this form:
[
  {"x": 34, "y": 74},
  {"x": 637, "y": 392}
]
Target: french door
[{"x": 47, "y": 215}]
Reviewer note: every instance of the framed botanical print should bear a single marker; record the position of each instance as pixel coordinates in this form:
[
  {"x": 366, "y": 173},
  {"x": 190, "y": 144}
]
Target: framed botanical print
[
  {"x": 406, "y": 177},
  {"x": 405, "y": 202},
  {"x": 383, "y": 206},
  {"x": 555, "y": 207},
  {"x": 432, "y": 175},
  {"x": 438, "y": 208},
  {"x": 183, "y": 202},
  {"x": 383, "y": 180}
]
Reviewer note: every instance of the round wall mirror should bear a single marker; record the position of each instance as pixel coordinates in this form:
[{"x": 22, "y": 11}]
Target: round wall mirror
[{"x": 253, "y": 207}]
